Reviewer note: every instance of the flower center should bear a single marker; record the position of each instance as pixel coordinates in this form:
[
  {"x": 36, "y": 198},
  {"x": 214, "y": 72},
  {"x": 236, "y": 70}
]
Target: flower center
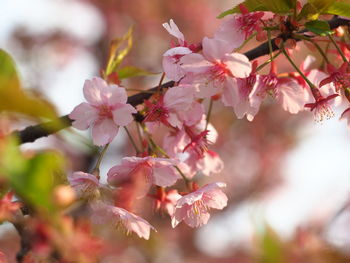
[{"x": 105, "y": 112}]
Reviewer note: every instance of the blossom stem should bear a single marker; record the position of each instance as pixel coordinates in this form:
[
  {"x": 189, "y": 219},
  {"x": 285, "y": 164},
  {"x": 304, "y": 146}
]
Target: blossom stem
[
  {"x": 160, "y": 83},
  {"x": 96, "y": 170},
  {"x": 315, "y": 44},
  {"x": 270, "y": 44},
  {"x": 296, "y": 67},
  {"x": 138, "y": 128},
  {"x": 268, "y": 61},
  {"x": 246, "y": 41},
  {"x": 209, "y": 113},
  {"x": 132, "y": 141},
  {"x": 338, "y": 48}
]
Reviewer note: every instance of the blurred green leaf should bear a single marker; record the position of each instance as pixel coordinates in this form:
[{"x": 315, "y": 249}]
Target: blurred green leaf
[
  {"x": 13, "y": 98},
  {"x": 314, "y": 8},
  {"x": 119, "y": 48},
  {"x": 131, "y": 71},
  {"x": 32, "y": 179},
  {"x": 339, "y": 8},
  {"x": 271, "y": 247},
  {"x": 319, "y": 27}
]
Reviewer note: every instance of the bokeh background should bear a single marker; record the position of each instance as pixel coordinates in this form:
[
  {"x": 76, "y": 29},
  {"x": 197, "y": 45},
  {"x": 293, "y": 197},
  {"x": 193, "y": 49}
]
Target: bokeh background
[{"x": 288, "y": 178}]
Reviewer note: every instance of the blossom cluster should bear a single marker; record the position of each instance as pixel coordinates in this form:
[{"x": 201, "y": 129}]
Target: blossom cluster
[{"x": 211, "y": 70}]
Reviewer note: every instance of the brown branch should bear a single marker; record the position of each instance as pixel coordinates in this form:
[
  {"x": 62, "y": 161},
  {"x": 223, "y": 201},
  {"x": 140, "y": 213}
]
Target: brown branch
[{"x": 32, "y": 133}]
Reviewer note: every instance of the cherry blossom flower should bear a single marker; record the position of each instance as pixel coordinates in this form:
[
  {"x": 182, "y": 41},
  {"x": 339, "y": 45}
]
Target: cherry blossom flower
[
  {"x": 321, "y": 108},
  {"x": 172, "y": 108},
  {"x": 238, "y": 95},
  {"x": 150, "y": 170},
  {"x": 106, "y": 109},
  {"x": 172, "y": 56},
  {"x": 129, "y": 222},
  {"x": 339, "y": 77},
  {"x": 190, "y": 146},
  {"x": 215, "y": 69},
  {"x": 237, "y": 28},
  {"x": 287, "y": 91},
  {"x": 193, "y": 208},
  {"x": 85, "y": 185}
]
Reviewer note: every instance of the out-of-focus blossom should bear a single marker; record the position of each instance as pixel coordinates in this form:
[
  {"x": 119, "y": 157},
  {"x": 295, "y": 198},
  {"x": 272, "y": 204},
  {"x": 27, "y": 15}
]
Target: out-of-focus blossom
[
  {"x": 216, "y": 68},
  {"x": 193, "y": 208},
  {"x": 7, "y": 207},
  {"x": 106, "y": 109},
  {"x": 165, "y": 201},
  {"x": 104, "y": 213},
  {"x": 157, "y": 171},
  {"x": 85, "y": 185}
]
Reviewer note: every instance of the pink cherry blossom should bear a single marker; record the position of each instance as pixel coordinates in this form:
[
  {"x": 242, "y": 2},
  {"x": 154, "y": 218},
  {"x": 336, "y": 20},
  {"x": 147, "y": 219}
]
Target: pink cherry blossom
[
  {"x": 216, "y": 68},
  {"x": 85, "y": 184},
  {"x": 190, "y": 146},
  {"x": 157, "y": 171},
  {"x": 172, "y": 108},
  {"x": 287, "y": 91},
  {"x": 238, "y": 95},
  {"x": 339, "y": 77},
  {"x": 106, "y": 109},
  {"x": 105, "y": 213},
  {"x": 193, "y": 208},
  {"x": 172, "y": 56},
  {"x": 238, "y": 27}
]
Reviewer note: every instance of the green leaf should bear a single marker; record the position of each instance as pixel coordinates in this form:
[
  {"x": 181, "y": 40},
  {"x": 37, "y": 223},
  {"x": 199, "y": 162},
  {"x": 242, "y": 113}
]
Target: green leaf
[
  {"x": 119, "y": 48},
  {"x": 13, "y": 98},
  {"x": 314, "y": 8},
  {"x": 319, "y": 27},
  {"x": 276, "y": 6},
  {"x": 32, "y": 179},
  {"x": 131, "y": 71},
  {"x": 271, "y": 247},
  {"x": 339, "y": 8}
]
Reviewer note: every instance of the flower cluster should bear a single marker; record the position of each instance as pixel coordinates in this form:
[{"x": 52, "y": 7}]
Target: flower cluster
[{"x": 213, "y": 70}]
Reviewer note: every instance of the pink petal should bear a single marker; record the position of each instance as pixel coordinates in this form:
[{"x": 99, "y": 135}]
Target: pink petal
[
  {"x": 291, "y": 96},
  {"x": 172, "y": 70},
  {"x": 177, "y": 51},
  {"x": 93, "y": 90},
  {"x": 104, "y": 131},
  {"x": 194, "y": 220},
  {"x": 179, "y": 98},
  {"x": 122, "y": 115},
  {"x": 215, "y": 49},
  {"x": 84, "y": 115},
  {"x": 174, "y": 31},
  {"x": 114, "y": 95},
  {"x": 195, "y": 63},
  {"x": 164, "y": 174},
  {"x": 238, "y": 64},
  {"x": 230, "y": 32}
]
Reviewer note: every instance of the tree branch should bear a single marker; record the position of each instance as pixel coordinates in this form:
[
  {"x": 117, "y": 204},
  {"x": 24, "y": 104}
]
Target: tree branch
[{"x": 32, "y": 133}]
